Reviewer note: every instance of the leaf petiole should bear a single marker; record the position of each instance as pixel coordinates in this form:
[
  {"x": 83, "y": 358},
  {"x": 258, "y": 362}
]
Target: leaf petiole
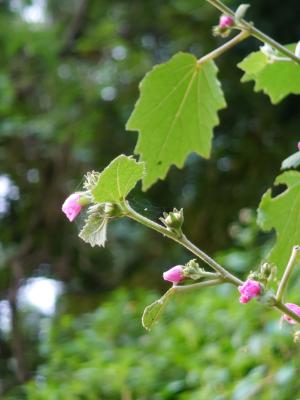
[{"x": 225, "y": 47}]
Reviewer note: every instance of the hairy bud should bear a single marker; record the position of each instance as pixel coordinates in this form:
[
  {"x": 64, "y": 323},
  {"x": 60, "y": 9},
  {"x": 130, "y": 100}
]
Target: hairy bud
[{"x": 173, "y": 221}]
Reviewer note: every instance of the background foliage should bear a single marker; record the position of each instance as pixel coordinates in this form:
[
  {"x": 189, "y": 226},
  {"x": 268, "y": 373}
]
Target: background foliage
[{"x": 67, "y": 87}]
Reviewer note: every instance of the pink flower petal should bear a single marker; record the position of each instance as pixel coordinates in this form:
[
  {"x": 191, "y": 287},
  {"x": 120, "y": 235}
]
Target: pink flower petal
[
  {"x": 71, "y": 207},
  {"x": 174, "y": 274}
]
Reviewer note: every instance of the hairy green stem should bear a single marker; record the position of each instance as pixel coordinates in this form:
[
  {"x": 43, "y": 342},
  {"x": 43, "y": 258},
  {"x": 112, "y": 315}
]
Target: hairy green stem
[
  {"x": 227, "y": 276},
  {"x": 250, "y": 28},
  {"x": 198, "y": 285},
  {"x": 287, "y": 273},
  {"x": 225, "y": 47}
]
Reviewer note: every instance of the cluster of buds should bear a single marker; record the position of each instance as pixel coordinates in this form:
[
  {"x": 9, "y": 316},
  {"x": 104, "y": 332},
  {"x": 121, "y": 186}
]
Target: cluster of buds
[
  {"x": 173, "y": 221},
  {"x": 226, "y": 23}
]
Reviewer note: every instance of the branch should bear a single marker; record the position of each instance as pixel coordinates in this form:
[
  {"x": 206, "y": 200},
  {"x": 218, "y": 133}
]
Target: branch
[
  {"x": 183, "y": 241},
  {"x": 250, "y": 28},
  {"x": 75, "y": 27},
  {"x": 225, "y": 276},
  {"x": 199, "y": 285}
]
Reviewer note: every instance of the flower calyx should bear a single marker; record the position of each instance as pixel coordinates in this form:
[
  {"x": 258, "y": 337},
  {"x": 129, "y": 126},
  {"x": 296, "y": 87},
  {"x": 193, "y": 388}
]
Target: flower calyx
[{"x": 192, "y": 270}]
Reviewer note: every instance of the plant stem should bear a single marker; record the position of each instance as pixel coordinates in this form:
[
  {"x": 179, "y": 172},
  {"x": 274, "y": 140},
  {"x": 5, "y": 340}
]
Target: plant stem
[
  {"x": 226, "y": 46},
  {"x": 250, "y": 28},
  {"x": 194, "y": 286},
  {"x": 284, "y": 309},
  {"x": 227, "y": 276},
  {"x": 287, "y": 273}
]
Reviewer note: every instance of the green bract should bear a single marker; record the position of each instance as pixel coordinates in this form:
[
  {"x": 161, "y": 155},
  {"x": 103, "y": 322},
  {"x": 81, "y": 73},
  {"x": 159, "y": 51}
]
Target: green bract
[
  {"x": 282, "y": 214},
  {"x": 176, "y": 113},
  {"x": 94, "y": 230},
  {"x": 277, "y": 79},
  {"x": 118, "y": 179}
]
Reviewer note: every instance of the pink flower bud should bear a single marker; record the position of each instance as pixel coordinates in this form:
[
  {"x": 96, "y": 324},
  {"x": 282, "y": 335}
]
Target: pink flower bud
[
  {"x": 295, "y": 309},
  {"x": 298, "y": 144},
  {"x": 226, "y": 21},
  {"x": 174, "y": 274},
  {"x": 248, "y": 290},
  {"x": 71, "y": 207}
]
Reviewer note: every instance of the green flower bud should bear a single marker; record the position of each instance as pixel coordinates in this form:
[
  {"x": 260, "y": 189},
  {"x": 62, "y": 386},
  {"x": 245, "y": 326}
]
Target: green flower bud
[{"x": 173, "y": 221}]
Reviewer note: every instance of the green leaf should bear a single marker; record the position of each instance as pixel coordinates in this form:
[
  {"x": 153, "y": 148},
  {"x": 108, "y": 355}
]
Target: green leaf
[
  {"x": 277, "y": 79},
  {"x": 94, "y": 230},
  {"x": 153, "y": 312},
  {"x": 282, "y": 213},
  {"x": 292, "y": 161},
  {"x": 175, "y": 114},
  {"x": 118, "y": 179}
]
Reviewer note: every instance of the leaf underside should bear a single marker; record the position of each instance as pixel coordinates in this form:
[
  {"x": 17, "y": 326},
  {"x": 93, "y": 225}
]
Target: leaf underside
[
  {"x": 94, "y": 230},
  {"x": 175, "y": 114},
  {"x": 283, "y": 214},
  {"x": 277, "y": 79},
  {"x": 153, "y": 312}
]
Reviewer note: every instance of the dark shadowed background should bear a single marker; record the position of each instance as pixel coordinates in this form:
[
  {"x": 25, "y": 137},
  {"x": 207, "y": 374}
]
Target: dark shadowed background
[{"x": 69, "y": 75}]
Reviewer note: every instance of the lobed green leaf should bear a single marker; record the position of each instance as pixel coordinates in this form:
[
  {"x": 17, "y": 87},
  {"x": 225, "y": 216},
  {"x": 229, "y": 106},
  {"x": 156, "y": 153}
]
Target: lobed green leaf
[
  {"x": 175, "y": 114},
  {"x": 118, "y": 179},
  {"x": 282, "y": 213}
]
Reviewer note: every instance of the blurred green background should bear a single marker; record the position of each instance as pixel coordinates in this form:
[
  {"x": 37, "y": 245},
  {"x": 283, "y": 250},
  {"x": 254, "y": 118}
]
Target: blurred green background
[{"x": 69, "y": 74}]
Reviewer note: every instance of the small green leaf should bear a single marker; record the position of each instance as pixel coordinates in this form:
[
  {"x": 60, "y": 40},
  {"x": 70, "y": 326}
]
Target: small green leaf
[
  {"x": 282, "y": 213},
  {"x": 277, "y": 79},
  {"x": 175, "y": 114},
  {"x": 118, "y": 179},
  {"x": 292, "y": 161},
  {"x": 153, "y": 312},
  {"x": 94, "y": 230}
]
